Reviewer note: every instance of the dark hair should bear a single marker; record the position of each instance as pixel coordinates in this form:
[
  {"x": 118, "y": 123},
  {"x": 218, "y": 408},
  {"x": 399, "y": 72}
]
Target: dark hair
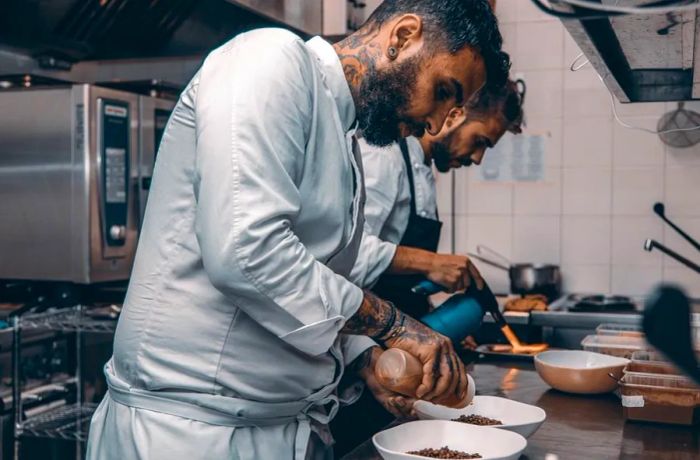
[
  {"x": 505, "y": 101},
  {"x": 454, "y": 24}
]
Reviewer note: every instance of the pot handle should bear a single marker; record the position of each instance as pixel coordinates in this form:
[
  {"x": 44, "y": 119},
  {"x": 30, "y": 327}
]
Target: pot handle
[
  {"x": 491, "y": 254},
  {"x": 488, "y": 261}
]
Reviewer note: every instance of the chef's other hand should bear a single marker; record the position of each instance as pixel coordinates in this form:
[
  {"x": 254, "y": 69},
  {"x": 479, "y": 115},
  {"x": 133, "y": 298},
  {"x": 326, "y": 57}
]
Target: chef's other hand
[
  {"x": 453, "y": 271},
  {"x": 469, "y": 343},
  {"x": 444, "y": 375},
  {"x": 398, "y": 405}
]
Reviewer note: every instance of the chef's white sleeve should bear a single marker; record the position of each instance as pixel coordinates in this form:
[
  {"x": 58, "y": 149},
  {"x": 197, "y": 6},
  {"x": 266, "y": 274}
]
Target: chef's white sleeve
[
  {"x": 353, "y": 346},
  {"x": 382, "y": 185},
  {"x": 382, "y": 179},
  {"x": 373, "y": 259},
  {"x": 251, "y": 134}
]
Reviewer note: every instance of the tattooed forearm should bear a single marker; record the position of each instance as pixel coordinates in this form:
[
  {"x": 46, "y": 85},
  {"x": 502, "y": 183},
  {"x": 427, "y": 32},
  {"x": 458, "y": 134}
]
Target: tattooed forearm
[{"x": 375, "y": 318}]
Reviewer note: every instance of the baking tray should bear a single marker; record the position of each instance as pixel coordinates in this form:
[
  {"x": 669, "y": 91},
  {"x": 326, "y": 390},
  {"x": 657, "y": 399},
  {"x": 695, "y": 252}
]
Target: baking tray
[{"x": 485, "y": 353}]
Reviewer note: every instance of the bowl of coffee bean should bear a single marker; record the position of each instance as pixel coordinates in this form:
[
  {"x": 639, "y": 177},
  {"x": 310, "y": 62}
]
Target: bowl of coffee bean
[
  {"x": 492, "y": 411},
  {"x": 447, "y": 439}
]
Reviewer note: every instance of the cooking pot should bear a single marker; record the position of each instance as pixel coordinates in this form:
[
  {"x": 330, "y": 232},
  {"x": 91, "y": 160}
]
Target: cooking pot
[{"x": 525, "y": 278}]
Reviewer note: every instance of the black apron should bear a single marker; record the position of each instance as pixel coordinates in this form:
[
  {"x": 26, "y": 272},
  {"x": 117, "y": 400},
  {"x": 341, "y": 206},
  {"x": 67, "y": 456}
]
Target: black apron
[{"x": 422, "y": 233}]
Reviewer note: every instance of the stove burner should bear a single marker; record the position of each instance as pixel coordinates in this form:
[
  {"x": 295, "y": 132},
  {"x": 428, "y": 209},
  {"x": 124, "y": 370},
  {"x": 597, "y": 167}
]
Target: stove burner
[{"x": 601, "y": 303}]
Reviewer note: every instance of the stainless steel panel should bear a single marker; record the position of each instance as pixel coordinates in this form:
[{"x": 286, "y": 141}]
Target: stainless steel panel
[
  {"x": 110, "y": 263},
  {"x": 50, "y": 204},
  {"x": 304, "y": 15},
  {"x": 148, "y": 145},
  {"x": 38, "y": 190}
]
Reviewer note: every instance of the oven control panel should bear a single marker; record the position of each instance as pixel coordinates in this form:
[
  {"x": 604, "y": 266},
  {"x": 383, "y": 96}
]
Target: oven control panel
[{"x": 114, "y": 155}]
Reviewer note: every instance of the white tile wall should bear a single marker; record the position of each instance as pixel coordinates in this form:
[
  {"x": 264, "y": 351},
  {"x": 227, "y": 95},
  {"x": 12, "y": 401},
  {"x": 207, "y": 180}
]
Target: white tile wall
[
  {"x": 586, "y": 278},
  {"x": 495, "y": 232},
  {"x": 682, "y": 190},
  {"x": 539, "y": 198},
  {"x": 489, "y": 198},
  {"x": 587, "y": 191},
  {"x": 551, "y": 128},
  {"x": 682, "y": 157},
  {"x": 540, "y": 45},
  {"x": 628, "y": 237},
  {"x": 633, "y": 280},
  {"x": 637, "y": 148},
  {"x": 537, "y": 239},
  {"x": 544, "y": 93},
  {"x": 592, "y": 212},
  {"x": 587, "y": 142},
  {"x": 635, "y": 190},
  {"x": 586, "y": 240}
]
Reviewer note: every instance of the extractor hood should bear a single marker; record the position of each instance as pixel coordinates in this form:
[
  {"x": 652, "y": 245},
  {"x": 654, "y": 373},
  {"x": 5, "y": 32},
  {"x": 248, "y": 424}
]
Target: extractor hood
[
  {"x": 73, "y": 30},
  {"x": 641, "y": 58}
]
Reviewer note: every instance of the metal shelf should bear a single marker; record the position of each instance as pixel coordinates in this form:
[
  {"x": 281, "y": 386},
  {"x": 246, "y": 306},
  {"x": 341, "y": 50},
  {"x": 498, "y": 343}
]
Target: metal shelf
[
  {"x": 70, "y": 422},
  {"x": 66, "y": 320}
]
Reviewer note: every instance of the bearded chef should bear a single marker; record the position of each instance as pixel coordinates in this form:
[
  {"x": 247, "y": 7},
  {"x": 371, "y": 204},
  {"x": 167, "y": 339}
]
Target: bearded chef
[{"x": 242, "y": 311}]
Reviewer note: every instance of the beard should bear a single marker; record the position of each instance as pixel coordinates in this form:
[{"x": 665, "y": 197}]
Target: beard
[
  {"x": 383, "y": 96},
  {"x": 441, "y": 156}
]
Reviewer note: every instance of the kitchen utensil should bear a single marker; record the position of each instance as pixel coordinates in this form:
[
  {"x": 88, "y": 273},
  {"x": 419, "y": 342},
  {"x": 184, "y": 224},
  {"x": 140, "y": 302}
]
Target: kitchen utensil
[
  {"x": 613, "y": 345},
  {"x": 660, "y": 210},
  {"x": 517, "y": 417},
  {"x": 399, "y": 371},
  {"x": 490, "y": 443},
  {"x": 678, "y": 128},
  {"x": 525, "y": 278},
  {"x": 619, "y": 330},
  {"x": 650, "y": 245},
  {"x": 659, "y": 398},
  {"x": 576, "y": 371},
  {"x": 603, "y": 303},
  {"x": 460, "y": 315},
  {"x": 488, "y": 302},
  {"x": 667, "y": 327},
  {"x": 651, "y": 362}
]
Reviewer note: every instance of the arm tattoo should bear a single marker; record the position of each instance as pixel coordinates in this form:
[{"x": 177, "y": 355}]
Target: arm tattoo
[{"x": 375, "y": 318}]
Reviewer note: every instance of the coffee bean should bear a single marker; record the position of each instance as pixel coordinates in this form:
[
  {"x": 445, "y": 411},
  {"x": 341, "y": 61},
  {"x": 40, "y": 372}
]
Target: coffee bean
[
  {"x": 443, "y": 452},
  {"x": 477, "y": 420}
]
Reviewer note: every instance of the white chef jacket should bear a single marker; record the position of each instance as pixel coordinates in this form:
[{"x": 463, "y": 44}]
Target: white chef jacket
[
  {"x": 228, "y": 345},
  {"x": 388, "y": 190}
]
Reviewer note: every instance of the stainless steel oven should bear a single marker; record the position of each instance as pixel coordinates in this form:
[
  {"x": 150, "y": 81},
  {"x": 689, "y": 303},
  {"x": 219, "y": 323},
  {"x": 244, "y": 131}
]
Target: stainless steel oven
[
  {"x": 68, "y": 183},
  {"x": 154, "y": 113}
]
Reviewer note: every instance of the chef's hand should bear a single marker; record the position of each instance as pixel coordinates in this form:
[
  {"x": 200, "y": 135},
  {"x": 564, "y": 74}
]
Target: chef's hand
[
  {"x": 443, "y": 372},
  {"x": 398, "y": 405},
  {"x": 444, "y": 375},
  {"x": 453, "y": 271}
]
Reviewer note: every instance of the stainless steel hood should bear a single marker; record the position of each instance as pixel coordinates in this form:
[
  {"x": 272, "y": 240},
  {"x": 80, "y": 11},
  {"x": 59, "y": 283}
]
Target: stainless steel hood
[
  {"x": 74, "y": 30},
  {"x": 315, "y": 17},
  {"x": 642, "y": 58}
]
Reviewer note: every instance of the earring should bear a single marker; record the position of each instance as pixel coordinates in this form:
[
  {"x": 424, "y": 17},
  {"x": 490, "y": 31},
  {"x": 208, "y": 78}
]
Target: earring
[{"x": 392, "y": 52}]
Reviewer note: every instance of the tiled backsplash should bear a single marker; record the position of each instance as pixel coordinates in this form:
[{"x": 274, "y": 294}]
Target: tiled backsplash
[{"x": 593, "y": 211}]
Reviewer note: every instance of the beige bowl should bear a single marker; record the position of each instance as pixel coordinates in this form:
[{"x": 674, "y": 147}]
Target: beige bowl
[{"x": 576, "y": 371}]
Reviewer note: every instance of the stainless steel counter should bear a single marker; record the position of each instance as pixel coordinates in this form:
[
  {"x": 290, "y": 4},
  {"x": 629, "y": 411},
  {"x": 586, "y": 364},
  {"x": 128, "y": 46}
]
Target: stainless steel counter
[{"x": 577, "y": 427}]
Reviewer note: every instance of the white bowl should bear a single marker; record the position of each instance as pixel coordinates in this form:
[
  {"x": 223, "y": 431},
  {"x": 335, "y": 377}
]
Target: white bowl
[
  {"x": 490, "y": 443},
  {"x": 576, "y": 371},
  {"x": 518, "y": 417}
]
